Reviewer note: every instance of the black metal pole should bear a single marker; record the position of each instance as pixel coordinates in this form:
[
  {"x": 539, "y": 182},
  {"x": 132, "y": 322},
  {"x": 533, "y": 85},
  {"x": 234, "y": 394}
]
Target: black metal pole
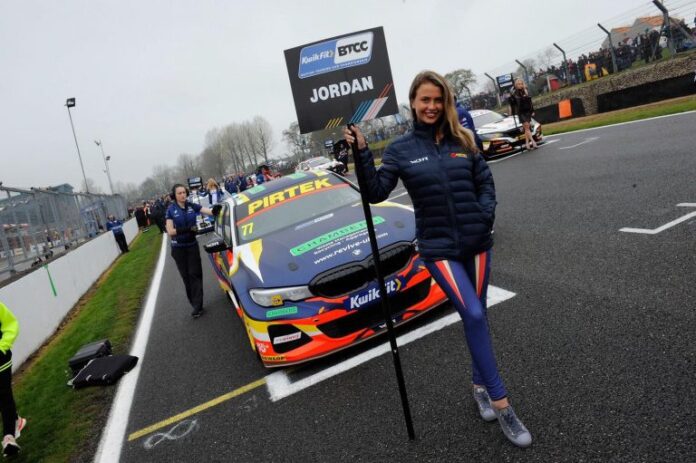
[
  {"x": 382, "y": 289},
  {"x": 78, "y": 150}
]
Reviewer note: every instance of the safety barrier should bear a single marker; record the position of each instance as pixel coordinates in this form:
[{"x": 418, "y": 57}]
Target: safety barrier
[
  {"x": 41, "y": 299},
  {"x": 564, "y": 109}
]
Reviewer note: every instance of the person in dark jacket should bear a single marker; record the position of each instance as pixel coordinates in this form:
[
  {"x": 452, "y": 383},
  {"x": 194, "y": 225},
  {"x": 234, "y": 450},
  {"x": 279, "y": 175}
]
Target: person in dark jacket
[
  {"x": 181, "y": 227},
  {"x": 157, "y": 214},
  {"x": 116, "y": 226},
  {"x": 12, "y": 423},
  {"x": 468, "y": 123},
  {"x": 453, "y": 196},
  {"x": 521, "y": 105}
]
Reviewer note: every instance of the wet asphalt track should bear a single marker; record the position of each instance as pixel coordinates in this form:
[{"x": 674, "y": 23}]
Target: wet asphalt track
[{"x": 597, "y": 347}]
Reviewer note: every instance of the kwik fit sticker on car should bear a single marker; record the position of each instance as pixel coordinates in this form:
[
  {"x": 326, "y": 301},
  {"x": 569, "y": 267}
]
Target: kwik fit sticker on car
[
  {"x": 340, "y": 80},
  {"x": 373, "y": 294}
]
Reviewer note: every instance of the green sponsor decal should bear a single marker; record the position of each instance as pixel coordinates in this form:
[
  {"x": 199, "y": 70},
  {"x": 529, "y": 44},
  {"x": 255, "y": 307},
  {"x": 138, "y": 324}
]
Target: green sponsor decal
[
  {"x": 332, "y": 236},
  {"x": 280, "y": 312},
  {"x": 256, "y": 189},
  {"x": 297, "y": 175}
]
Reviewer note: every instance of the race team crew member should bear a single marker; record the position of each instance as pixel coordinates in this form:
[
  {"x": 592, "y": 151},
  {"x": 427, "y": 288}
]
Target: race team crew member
[
  {"x": 467, "y": 122},
  {"x": 453, "y": 196},
  {"x": 181, "y": 227},
  {"x": 116, "y": 226}
]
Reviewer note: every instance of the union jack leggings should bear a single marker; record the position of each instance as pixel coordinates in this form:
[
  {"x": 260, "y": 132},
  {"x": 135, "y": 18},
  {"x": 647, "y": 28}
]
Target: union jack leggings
[{"x": 466, "y": 285}]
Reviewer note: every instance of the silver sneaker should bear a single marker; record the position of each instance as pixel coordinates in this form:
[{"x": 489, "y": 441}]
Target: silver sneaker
[
  {"x": 483, "y": 401},
  {"x": 513, "y": 428}
]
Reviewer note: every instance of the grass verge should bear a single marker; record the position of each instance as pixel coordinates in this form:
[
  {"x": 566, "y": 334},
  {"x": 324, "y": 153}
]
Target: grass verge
[
  {"x": 65, "y": 424},
  {"x": 661, "y": 108}
]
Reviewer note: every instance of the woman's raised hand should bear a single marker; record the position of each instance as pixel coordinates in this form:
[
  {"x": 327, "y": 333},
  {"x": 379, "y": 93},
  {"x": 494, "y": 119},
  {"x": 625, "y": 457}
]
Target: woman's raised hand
[{"x": 350, "y": 137}]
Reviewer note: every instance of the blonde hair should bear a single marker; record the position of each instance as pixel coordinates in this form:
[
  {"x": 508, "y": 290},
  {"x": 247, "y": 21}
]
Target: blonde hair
[
  {"x": 212, "y": 183},
  {"x": 449, "y": 124},
  {"x": 524, "y": 85}
]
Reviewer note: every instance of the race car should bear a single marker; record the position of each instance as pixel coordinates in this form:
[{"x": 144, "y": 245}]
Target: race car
[
  {"x": 502, "y": 134},
  {"x": 294, "y": 258},
  {"x": 322, "y": 162}
]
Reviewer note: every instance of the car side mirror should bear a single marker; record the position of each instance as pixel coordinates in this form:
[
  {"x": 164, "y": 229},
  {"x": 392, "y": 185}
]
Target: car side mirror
[{"x": 215, "y": 245}]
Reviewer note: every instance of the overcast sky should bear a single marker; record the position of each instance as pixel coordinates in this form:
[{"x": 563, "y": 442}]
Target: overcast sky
[{"x": 152, "y": 77}]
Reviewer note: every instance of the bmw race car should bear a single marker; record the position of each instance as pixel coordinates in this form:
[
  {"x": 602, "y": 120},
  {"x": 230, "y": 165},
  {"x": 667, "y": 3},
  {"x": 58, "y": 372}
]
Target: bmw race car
[
  {"x": 294, "y": 258},
  {"x": 502, "y": 134}
]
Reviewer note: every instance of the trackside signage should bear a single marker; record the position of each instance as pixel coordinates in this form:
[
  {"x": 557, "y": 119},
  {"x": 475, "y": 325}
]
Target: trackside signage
[{"x": 341, "y": 80}]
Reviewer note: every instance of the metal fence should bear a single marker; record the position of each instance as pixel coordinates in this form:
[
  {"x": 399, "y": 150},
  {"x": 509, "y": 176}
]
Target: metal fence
[
  {"x": 38, "y": 224},
  {"x": 649, "y": 32}
]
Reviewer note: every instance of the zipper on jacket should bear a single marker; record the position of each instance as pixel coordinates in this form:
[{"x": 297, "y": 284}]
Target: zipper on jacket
[{"x": 448, "y": 193}]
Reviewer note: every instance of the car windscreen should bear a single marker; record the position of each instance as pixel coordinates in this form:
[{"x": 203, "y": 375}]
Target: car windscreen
[
  {"x": 262, "y": 215},
  {"x": 487, "y": 118}
]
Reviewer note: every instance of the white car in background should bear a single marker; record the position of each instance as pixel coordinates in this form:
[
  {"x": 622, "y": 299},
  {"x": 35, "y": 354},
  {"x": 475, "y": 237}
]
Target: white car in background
[{"x": 321, "y": 162}]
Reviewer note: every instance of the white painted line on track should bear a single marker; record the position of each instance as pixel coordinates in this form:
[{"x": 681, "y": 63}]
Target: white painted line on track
[
  {"x": 109, "y": 450},
  {"x": 279, "y": 385},
  {"x": 398, "y": 196},
  {"x": 506, "y": 158},
  {"x": 588, "y": 140},
  {"x": 657, "y": 230},
  {"x": 621, "y": 123}
]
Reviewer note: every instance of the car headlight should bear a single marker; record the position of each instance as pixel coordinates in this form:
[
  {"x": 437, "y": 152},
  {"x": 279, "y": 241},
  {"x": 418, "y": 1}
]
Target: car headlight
[
  {"x": 276, "y": 296},
  {"x": 491, "y": 136}
]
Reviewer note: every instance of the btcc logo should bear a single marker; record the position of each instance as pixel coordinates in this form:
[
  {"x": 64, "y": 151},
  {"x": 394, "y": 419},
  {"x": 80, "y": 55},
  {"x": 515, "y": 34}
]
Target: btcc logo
[{"x": 355, "y": 47}]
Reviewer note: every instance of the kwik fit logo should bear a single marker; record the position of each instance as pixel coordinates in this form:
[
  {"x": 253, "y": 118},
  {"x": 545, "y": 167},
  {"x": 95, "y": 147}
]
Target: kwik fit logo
[
  {"x": 360, "y": 300},
  {"x": 336, "y": 54}
]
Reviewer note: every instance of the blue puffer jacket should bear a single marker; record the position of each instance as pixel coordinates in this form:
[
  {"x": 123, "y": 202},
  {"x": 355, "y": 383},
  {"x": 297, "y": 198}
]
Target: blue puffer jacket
[{"x": 454, "y": 207}]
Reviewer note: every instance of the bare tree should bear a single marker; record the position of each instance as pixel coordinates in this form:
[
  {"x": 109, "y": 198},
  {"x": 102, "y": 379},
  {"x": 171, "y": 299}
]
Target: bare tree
[
  {"x": 187, "y": 165},
  {"x": 91, "y": 186},
  {"x": 129, "y": 190},
  {"x": 460, "y": 80},
  {"x": 546, "y": 58},
  {"x": 249, "y": 143},
  {"x": 293, "y": 139},
  {"x": 212, "y": 163},
  {"x": 264, "y": 136},
  {"x": 149, "y": 189},
  {"x": 164, "y": 176}
]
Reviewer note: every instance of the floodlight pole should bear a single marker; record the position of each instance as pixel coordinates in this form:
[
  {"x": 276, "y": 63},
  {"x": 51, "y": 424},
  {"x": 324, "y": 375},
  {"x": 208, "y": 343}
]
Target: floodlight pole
[
  {"x": 495, "y": 86},
  {"x": 565, "y": 62},
  {"x": 611, "y": 47},
  {"x": 382, "y": 288},
  {"x": 69, "y": 103},
  {"x": 106, "y": 164}
]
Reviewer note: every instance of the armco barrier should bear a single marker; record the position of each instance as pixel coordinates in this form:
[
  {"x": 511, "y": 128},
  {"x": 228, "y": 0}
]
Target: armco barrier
[
  {"x": 647, "y": 93},
  {"x": 564, "y": 109},
  {"x": 41, "y": 299}
]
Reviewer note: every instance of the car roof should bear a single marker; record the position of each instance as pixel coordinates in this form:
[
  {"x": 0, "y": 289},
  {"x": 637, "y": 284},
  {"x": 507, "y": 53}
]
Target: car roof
[{"x": 479, "y": 112}]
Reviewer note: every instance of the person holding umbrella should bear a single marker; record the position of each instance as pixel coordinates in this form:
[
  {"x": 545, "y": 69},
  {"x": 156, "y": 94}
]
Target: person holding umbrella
[{"x": 454, "y": 201}]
